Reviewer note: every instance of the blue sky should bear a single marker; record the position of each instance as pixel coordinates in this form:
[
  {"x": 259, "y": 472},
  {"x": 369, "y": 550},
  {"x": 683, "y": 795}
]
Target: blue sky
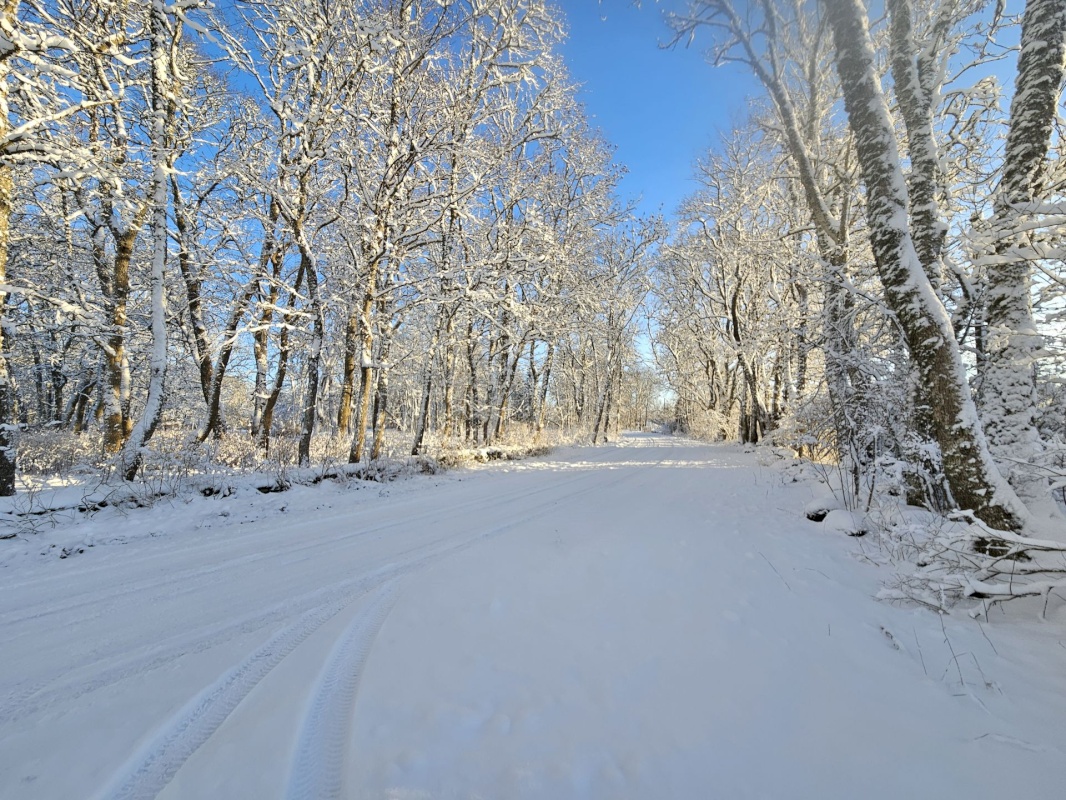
[{"x": 662, "y": 109}]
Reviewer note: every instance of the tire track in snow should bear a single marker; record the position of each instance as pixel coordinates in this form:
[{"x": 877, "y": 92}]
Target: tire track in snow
[
  {"x": 58, "y": 580},
  {"x": 151, "y": 770},
  {"x": 318, "y": 766},
  {"x": 22, "y": 703},
  {"x": 100, "y": 603},
  {"x": 42, "y": 694},
  {"x": 194, "y": 724},
  {"x": 321, "y": 754},
  {"x": 61, "y": 685},
  {"x": 146, "y": 775},
  {"x": 16, "y": 704},
  {"x": 148, "y": 772}
]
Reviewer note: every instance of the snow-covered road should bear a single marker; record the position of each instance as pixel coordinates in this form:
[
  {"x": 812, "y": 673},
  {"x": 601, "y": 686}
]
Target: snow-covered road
[{"x": 653, "y": 619}]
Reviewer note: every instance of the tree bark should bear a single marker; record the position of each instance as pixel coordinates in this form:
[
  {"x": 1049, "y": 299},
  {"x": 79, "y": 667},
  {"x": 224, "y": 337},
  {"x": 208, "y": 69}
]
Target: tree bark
[
  {"x": 542, "y": 390},
  {"x": 7, "y": 404},
  {"x": 472, "y": 422},
  {"x": 911, "y": 76},
  {"x": 448, "y": 427},
  {"x": 427, "y": 390},
  {"x": 1009, "y": 385},
  {"x": 279, "y": 379},
  {"x": 114, "y": 274},
  {"x": 975, "y": 484},
  {"x": 261, "y": 343},
  {"x": 349, "y": 370},
  {"x": 314, "y": 357},
  {"x": 161, "y": 111},
  {"x": 366, "y": 367},
  {"x": 193, "y": 293},
  {"x": 381, "y": 401}
]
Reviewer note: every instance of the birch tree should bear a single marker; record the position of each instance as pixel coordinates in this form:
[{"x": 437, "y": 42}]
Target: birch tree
[{"x": 164, "y": 104}]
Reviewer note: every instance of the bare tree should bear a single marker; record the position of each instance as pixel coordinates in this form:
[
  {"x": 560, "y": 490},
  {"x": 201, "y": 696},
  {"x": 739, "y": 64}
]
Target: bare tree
[
  {"x": 974, "y": 480},
  {"x": 1009, "y": 397}
]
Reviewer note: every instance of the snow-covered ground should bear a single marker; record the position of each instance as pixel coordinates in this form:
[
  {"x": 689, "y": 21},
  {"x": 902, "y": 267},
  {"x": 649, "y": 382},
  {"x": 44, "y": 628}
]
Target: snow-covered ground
[{"x": 654, "y": 619}]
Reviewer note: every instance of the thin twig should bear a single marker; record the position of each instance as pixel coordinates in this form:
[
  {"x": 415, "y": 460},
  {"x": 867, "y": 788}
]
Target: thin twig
[{"x": 775, "y": 570}]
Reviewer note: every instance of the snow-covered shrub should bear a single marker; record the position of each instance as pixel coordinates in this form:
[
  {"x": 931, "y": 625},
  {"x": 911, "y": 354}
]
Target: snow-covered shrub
[
  {"x": 234, "y": 450},
  {"x": 518, "y": 443},
  {"x": 709, "y": 425},
  {"x": 55, "y": 451},
  {"x": 849, "y": 523},
  {"x": 818, "y": 508},
  {"x": 808, "y": 429},
  {"x": 331, "y": 449},
  {"x": 384, "y": 470},
  {"x": 948, "y": 560}
]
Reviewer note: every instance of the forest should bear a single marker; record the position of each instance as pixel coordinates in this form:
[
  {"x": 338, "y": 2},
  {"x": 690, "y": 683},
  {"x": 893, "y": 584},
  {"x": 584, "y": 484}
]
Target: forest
[
  {"x": 275, "y": 230},
  {"x": 288, "y": 232},
  {"x": 885, "y": 279}
]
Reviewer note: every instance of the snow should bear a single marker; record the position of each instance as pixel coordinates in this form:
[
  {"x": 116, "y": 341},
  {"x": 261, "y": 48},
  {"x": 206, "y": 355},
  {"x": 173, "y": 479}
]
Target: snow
[
  {"x": 643, "y": 620},
  {"x": 849, "y": 523},
  {"x": 817, "y": 509}
]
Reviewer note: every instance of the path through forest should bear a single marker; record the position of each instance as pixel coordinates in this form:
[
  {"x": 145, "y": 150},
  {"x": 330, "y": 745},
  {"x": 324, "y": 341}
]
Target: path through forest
[{"x": 652, "y": 619}]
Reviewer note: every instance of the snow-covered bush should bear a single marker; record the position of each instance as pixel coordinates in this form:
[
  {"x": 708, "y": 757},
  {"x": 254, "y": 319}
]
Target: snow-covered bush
[
  {"x": 946, "y": 561},
  {"x": 54, "y": 450}
]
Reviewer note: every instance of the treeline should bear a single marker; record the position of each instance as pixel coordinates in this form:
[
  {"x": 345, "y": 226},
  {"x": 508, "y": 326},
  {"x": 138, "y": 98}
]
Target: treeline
[
  {"x": 872, "y": 271},
  {"x": 314, "y": 220}
]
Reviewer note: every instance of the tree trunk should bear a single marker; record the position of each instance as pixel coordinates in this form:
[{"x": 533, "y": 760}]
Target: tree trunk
[
  {"x": 1009, "y": 386},
  {"x": 7, "y": 404},
  {"x": 314, "y": 357},
  {"x": 279, "y": 383},
  {"x": 261, "y": 354},
  {"x": 114, "y": 276},
  {"x": 261, "y": 344},
  {"x": 912, "y": 78},
  {"x": 601, "y": 409},
  {"x": 427, "y": 391},
  {"x": 967, "y": 463},
  {"x": 215, "y": 423},
  {"x": 448, "y": 427},
  {"x": 381, "y": 401},
  {"x": 542, "y": 400},
  {"x": 349, "y": 370},
  {"x": 193, "y": 293},
  {"x": 510, "y": 371},
  {"x": 81, "y": 404},
  {"x": 472, "y": 415},
  {"x": 161, "y": 110},
  {"x": 366, "y": 367}
]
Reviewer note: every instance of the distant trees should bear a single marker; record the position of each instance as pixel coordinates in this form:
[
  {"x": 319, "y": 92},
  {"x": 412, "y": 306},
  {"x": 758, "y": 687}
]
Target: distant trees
[
  {"x": 36, "y": 102},
  {"x": 733, "y": 292}
]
